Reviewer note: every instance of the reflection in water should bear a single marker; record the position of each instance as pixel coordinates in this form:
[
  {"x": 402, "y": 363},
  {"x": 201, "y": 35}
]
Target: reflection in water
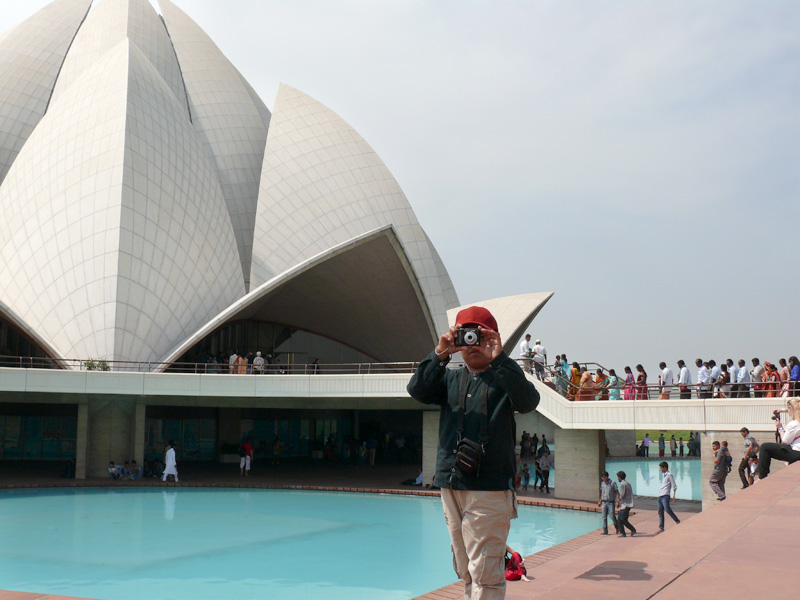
[{"x": 169, "y": 504}]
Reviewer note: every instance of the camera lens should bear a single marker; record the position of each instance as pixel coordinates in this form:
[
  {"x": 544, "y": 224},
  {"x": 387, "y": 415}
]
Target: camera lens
[{"x": 470, "y": 337}]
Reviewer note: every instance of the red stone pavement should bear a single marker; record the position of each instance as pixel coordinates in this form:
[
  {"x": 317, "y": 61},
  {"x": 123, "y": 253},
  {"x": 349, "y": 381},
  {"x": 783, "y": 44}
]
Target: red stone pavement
[{"x": 743, "y": 548}]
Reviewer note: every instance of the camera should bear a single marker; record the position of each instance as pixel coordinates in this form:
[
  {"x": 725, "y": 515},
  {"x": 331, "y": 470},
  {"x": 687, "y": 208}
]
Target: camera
[{"x": 467, "y": 336}]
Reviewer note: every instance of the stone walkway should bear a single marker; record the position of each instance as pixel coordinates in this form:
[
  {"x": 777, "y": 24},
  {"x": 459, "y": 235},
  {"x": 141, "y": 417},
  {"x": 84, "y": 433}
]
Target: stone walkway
[{"x": 745, "y": 547}]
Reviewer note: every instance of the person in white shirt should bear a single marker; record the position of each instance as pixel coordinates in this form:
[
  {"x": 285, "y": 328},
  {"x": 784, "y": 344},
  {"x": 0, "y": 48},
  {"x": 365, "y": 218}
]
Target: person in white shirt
[
  {"x": 758, "y": 377},
  {"x": 170, "y": 465},
  {"x": 743, "y": 379},
  {"x": 789, "y": 449},
  {"x": 258, "y": 364},
  {"x": 665, "y": 381},
  {"x": 667, "y": 484},
  {"x": 525, "y": 353},
  {"x": 702, "y": 379},
  {"x": 734, "y": 373},
  {"x": 684, "y": 381},
  {"x": 715, "y": 374},
  {"x": 539, "y": 359}
]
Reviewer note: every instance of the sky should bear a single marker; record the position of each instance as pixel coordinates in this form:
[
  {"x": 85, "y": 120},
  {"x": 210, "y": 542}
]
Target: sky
[{"x": 639, "y": 159}]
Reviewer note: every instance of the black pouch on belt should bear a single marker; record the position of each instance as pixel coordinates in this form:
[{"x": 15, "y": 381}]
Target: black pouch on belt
[{"x": 469, "y": 454}]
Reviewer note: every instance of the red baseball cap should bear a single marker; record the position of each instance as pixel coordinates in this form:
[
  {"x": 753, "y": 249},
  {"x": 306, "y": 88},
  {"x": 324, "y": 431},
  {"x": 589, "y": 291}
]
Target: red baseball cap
[{"x": 476, "y": 315}]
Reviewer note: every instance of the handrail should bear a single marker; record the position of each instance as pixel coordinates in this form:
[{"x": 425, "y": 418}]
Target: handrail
[{"x": 30, "y": 362}]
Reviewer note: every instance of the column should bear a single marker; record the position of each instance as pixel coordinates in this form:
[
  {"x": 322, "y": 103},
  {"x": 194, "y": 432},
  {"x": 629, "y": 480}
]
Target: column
[
  {"x": 579, "y": 460},
  {"x": 621, "y": 443},
  {"x": 111, "y": 433},
  {"x": 139, "y": 431},
  {"x": 430, "y": 444},
  {"x": 82, "y": 442}
]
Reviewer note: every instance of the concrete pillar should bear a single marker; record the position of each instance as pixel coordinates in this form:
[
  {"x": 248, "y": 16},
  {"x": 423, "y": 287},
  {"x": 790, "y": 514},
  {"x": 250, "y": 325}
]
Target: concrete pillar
[
  {"x": 621, "y": 443},
  {"x": 111, "y": 433},
  {"x": 82, "y": 441},
  {"x": 534, "y": 422},
  {"x": 139, "y": 431},
  {"x": 430, "y": 444},
  {"x": 579, "y": 460},
  {"x": 733, "y": 484}
]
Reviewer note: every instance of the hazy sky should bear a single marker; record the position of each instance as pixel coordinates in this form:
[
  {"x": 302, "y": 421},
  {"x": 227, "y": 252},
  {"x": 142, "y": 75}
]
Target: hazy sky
[{"x": 639, "y": 159}]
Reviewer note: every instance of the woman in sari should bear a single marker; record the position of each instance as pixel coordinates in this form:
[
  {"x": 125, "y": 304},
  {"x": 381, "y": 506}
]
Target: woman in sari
[
  {"x": 241, "y": 365},
  {"x": 563, "y": 375},
  {"x": 601, "y": 383},
  {"x": 772, "y": 378},
  {"x": 784, "y": 375},
  {"x": 587, "y": 387},
  {"x": 574, "y": 381},
  {"x": 614, "y": 385},
  {"x": 630, "y": 387},
  {"x": 641, "y": 384}
]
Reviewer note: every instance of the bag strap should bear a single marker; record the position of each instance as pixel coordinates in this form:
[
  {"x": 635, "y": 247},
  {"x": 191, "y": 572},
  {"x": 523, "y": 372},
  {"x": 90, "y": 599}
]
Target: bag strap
[{"x": 482, "y": 406}]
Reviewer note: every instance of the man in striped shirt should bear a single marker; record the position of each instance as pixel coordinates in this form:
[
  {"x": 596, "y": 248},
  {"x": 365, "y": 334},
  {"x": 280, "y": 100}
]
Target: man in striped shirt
[{"x": 667, "y": 485}]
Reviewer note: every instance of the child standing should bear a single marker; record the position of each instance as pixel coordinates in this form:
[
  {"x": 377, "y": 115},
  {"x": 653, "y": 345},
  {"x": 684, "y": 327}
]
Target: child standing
[{"x": 526, "y": 477}]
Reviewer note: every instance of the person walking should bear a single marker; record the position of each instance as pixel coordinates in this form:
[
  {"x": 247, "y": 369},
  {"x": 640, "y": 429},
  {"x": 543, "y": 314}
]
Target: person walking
[
  {"x": 673, "y": 446},
  {"x": 667, "y": 484},
  {"x": 608, "y": 500},
  {"x": 750, "y": 450},
  {"x": 170, "y": 464},
  {"x": 718, "y": 475},
  {"x": 545, "y": 462},
  {"x": 624, "y": 504}
]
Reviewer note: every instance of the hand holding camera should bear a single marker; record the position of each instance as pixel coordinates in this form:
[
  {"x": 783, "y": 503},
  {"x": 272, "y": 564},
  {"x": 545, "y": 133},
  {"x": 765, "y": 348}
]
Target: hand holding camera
[
  {"x": 460, "y": 338},
  {"x": 776, "y": 416}
]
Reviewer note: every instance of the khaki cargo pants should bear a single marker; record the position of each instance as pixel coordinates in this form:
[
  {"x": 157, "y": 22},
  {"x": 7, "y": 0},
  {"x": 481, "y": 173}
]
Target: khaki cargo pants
[{"x": 478, "y": 523}]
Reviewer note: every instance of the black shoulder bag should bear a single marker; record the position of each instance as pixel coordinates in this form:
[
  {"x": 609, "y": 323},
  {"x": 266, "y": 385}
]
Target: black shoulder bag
[{"x": 469, "y": 453}]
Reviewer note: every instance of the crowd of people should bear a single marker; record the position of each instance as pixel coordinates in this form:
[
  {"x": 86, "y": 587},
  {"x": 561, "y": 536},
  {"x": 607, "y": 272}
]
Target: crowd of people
[{"x": 729, "y": 379}]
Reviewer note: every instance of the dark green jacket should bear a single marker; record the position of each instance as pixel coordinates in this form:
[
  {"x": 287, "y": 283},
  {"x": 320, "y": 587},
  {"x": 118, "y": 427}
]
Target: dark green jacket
[{"x": 434, "y": 383}]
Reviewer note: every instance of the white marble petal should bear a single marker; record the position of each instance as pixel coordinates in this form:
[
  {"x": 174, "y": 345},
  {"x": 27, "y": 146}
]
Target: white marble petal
[
  {"x": 513, "y": 315},
  {"x": 31, "y": 55},
  {"x": 230, "y": 118},
  {"x": 116, "y": 244},
  {"x": 108, "y": 23},
  {"x": 322, "y": 184}
]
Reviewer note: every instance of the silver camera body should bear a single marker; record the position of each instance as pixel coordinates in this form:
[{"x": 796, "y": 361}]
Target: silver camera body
[{"x": 468, "y": 336}]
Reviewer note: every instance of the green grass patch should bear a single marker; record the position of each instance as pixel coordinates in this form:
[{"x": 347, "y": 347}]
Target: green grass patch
[{"x": 654, "y": 433}]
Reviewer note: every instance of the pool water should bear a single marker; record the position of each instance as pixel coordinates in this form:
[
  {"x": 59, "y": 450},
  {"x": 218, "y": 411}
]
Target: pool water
[
  {"x": 128, "y": 544},
  {"x": 645, "y": 476}
]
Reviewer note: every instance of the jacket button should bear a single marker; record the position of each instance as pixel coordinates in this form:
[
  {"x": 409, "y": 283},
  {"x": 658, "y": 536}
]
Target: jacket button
[
  {"x": 469, "y": 395},
  {"x": 453, "y": 469},
  {"x": 455, "y": 451}
]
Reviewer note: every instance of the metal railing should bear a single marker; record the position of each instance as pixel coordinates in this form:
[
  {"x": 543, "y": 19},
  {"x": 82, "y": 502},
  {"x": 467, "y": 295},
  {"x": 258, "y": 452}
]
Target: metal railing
[
  {"x": 751, "y": 389},
  {"x": 77, "y": 364}
]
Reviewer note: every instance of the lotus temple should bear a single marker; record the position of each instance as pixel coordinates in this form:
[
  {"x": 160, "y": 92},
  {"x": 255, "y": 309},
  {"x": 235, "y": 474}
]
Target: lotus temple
[{"x": 157, "y": 213}]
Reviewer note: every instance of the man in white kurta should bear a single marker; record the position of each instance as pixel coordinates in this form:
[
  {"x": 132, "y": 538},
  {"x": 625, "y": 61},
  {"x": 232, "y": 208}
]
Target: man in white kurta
[{"x": 170, "y": 466}]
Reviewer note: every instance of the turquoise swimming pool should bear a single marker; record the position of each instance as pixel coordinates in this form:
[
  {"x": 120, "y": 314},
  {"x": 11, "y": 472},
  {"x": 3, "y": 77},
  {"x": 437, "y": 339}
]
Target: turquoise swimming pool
[
  {"x": 645, "y": 476},
  {"x": 128, "y": 544}
]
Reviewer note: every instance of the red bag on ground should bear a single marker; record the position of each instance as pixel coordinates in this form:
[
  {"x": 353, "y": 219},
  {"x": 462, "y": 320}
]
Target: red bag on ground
[{"x": 514, "y": 567}]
